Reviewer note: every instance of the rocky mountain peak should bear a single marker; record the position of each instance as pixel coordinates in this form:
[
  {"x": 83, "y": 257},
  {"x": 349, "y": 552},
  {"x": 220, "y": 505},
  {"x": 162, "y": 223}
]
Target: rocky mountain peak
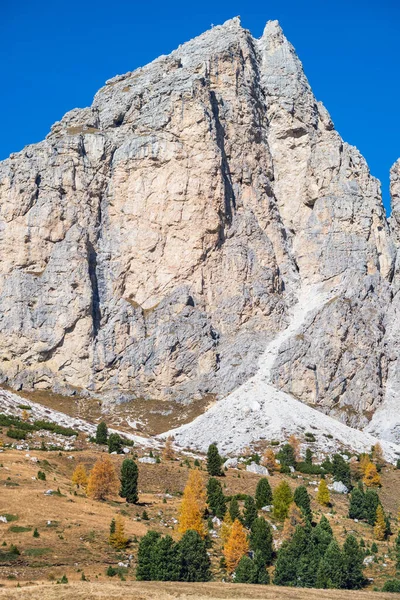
[{"x": 156, "y": 242}]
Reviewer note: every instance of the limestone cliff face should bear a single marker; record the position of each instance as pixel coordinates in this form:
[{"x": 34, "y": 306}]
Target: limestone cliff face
[{"x": 153, "y": 243}]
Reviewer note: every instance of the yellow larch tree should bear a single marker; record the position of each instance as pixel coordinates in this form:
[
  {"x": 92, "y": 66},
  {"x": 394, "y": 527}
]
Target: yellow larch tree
[
  {"x": 226, "y": 527},
  {"x": 118, "y": 538},
  {"x": 295, "y": 443},
  {"x": 380, "y": 524},
  {"x": 293, "y": 519},
  {"x": 377, "y": 455},
  {"x": 371, "y": 477},
  {"x": 79, "y": 476},
  {"x": 364, "y": 462},
  {"x": 193, "y": 505},
  {"x": 103, "y": 480},
  {"x": 269, "y": 461},
  {"x": 168, "y": 451},
  {"x": 323, "y": 496},
  {"x": 25, "y": 415},
  {"x": 236, "y": 546}
]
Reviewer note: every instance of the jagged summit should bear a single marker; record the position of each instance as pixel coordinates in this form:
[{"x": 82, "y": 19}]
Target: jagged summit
[{"x": 155, "y": 243}]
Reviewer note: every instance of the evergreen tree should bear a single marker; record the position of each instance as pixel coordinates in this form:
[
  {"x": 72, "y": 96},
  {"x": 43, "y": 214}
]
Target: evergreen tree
[
  {"x": 357, "y": 501},
  {"x": 165, "y": 557},
  {"x": 145, "y": 559},
  {"x": 302, "y": 499},
  {"x": 282, "y": 500},
  {"x": 263, "y": 493},
  {"x": 330, "y": 570},
  {"x": 250, "y": 511},
  {"x": 129, "y": 481},
  {"x": 325, "y": 525},
  {"x": 215, "y": 498},
  {"x": 252, "y": 570},
  {"x": 114, "y": 443},
  {"x": 286, "y": 456},
  {"x": 234, "y": 510},
  {"x": 371, "y": 501},
  {"x": 323, "y": 496},
  {"x": 112, "y": 527},
  {"x": 261, "y": 539},
  {"x": 286, "y": 568},
  {"x": 101, "y": 433},
  {"x": 341, "y": 470},
  {"x": 214, "y": 461},
  {"x": 308, "y": 562},
  {"x": 391, "y": 585},
  {"x": 353, "y": 578},
  {"x": 322, "y": 537},
  {"x": 309, "y": 457},
  {"x": 194, "y": 560}
]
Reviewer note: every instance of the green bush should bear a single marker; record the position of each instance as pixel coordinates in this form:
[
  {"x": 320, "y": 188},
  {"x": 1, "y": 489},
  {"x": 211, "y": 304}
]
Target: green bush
[
  {"x": 16, "y": 434},
  {"x": 392, "y": 585}
]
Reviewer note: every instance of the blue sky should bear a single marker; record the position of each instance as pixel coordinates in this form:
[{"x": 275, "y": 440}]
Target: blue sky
[{"x": 54, "y": 56}]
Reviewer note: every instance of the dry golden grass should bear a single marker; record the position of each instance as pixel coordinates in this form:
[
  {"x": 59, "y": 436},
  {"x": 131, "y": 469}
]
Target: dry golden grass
[
  {"x": 151, "y": 590},
  {"x": 77, "y": 539}
]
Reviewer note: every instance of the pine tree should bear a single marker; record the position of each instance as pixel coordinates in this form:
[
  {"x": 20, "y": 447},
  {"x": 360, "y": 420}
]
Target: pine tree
[
  {"x": 103, "y": 480},
  {"x": 129, "y": 481},
  {"x": 252, "y": 570},
  {"x": 323, "y": 496},
  {"x": 194, "y": 560},
  {"x": 371, "y": 501},
  {"x": 309, "y": 457},
  {"x": 145, "y": 559},
  {"x": 269, "y": 461},
  {"x": 294, "y": 518},
  {"x": 286, "y": 456},
  {"x": 287, "y": 564},
  {"x": 371, "y": 477},
  {"x": 341, "y": 470},
  {"x": 236, "y": 546},
  {"x": 330, "y": 570},
  {"x": 325, "y": 525},
  {"x": 250, "y": 511},
  {"x": 302, "y": 499},
  {"x": 118, "y": 539},
  {"x": 263, "y": 493},
  {"x": 357, "y": 501},
  {"x": 165, "y": 560},
  {"x": 214, "y": 461},
  {"x": 282, "y": 499},
  {"x": 101, "y": 433},
  {"x": 234, "y": 510},
  {"x": 380, "y": 524},
  {"x": 114, "y": 443},
  {"x": 112, "y": 527},
  {"x": 215, "y": 498},
  {"x": 261, "y": 539},
  {"x": 353, "y": 578},
  {"x": 79, "y": 477},
  {"x": 168, "y": 452},
  {"x": 192, "y": 507}
]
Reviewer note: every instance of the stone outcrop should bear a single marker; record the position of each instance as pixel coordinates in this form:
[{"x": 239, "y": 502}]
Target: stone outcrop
[{"x": 156, "y": 241}]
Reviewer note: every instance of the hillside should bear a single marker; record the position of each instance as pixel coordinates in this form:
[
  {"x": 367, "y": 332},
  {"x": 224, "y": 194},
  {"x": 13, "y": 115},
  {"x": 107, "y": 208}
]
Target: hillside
[{"x": 74, "y": 529}]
